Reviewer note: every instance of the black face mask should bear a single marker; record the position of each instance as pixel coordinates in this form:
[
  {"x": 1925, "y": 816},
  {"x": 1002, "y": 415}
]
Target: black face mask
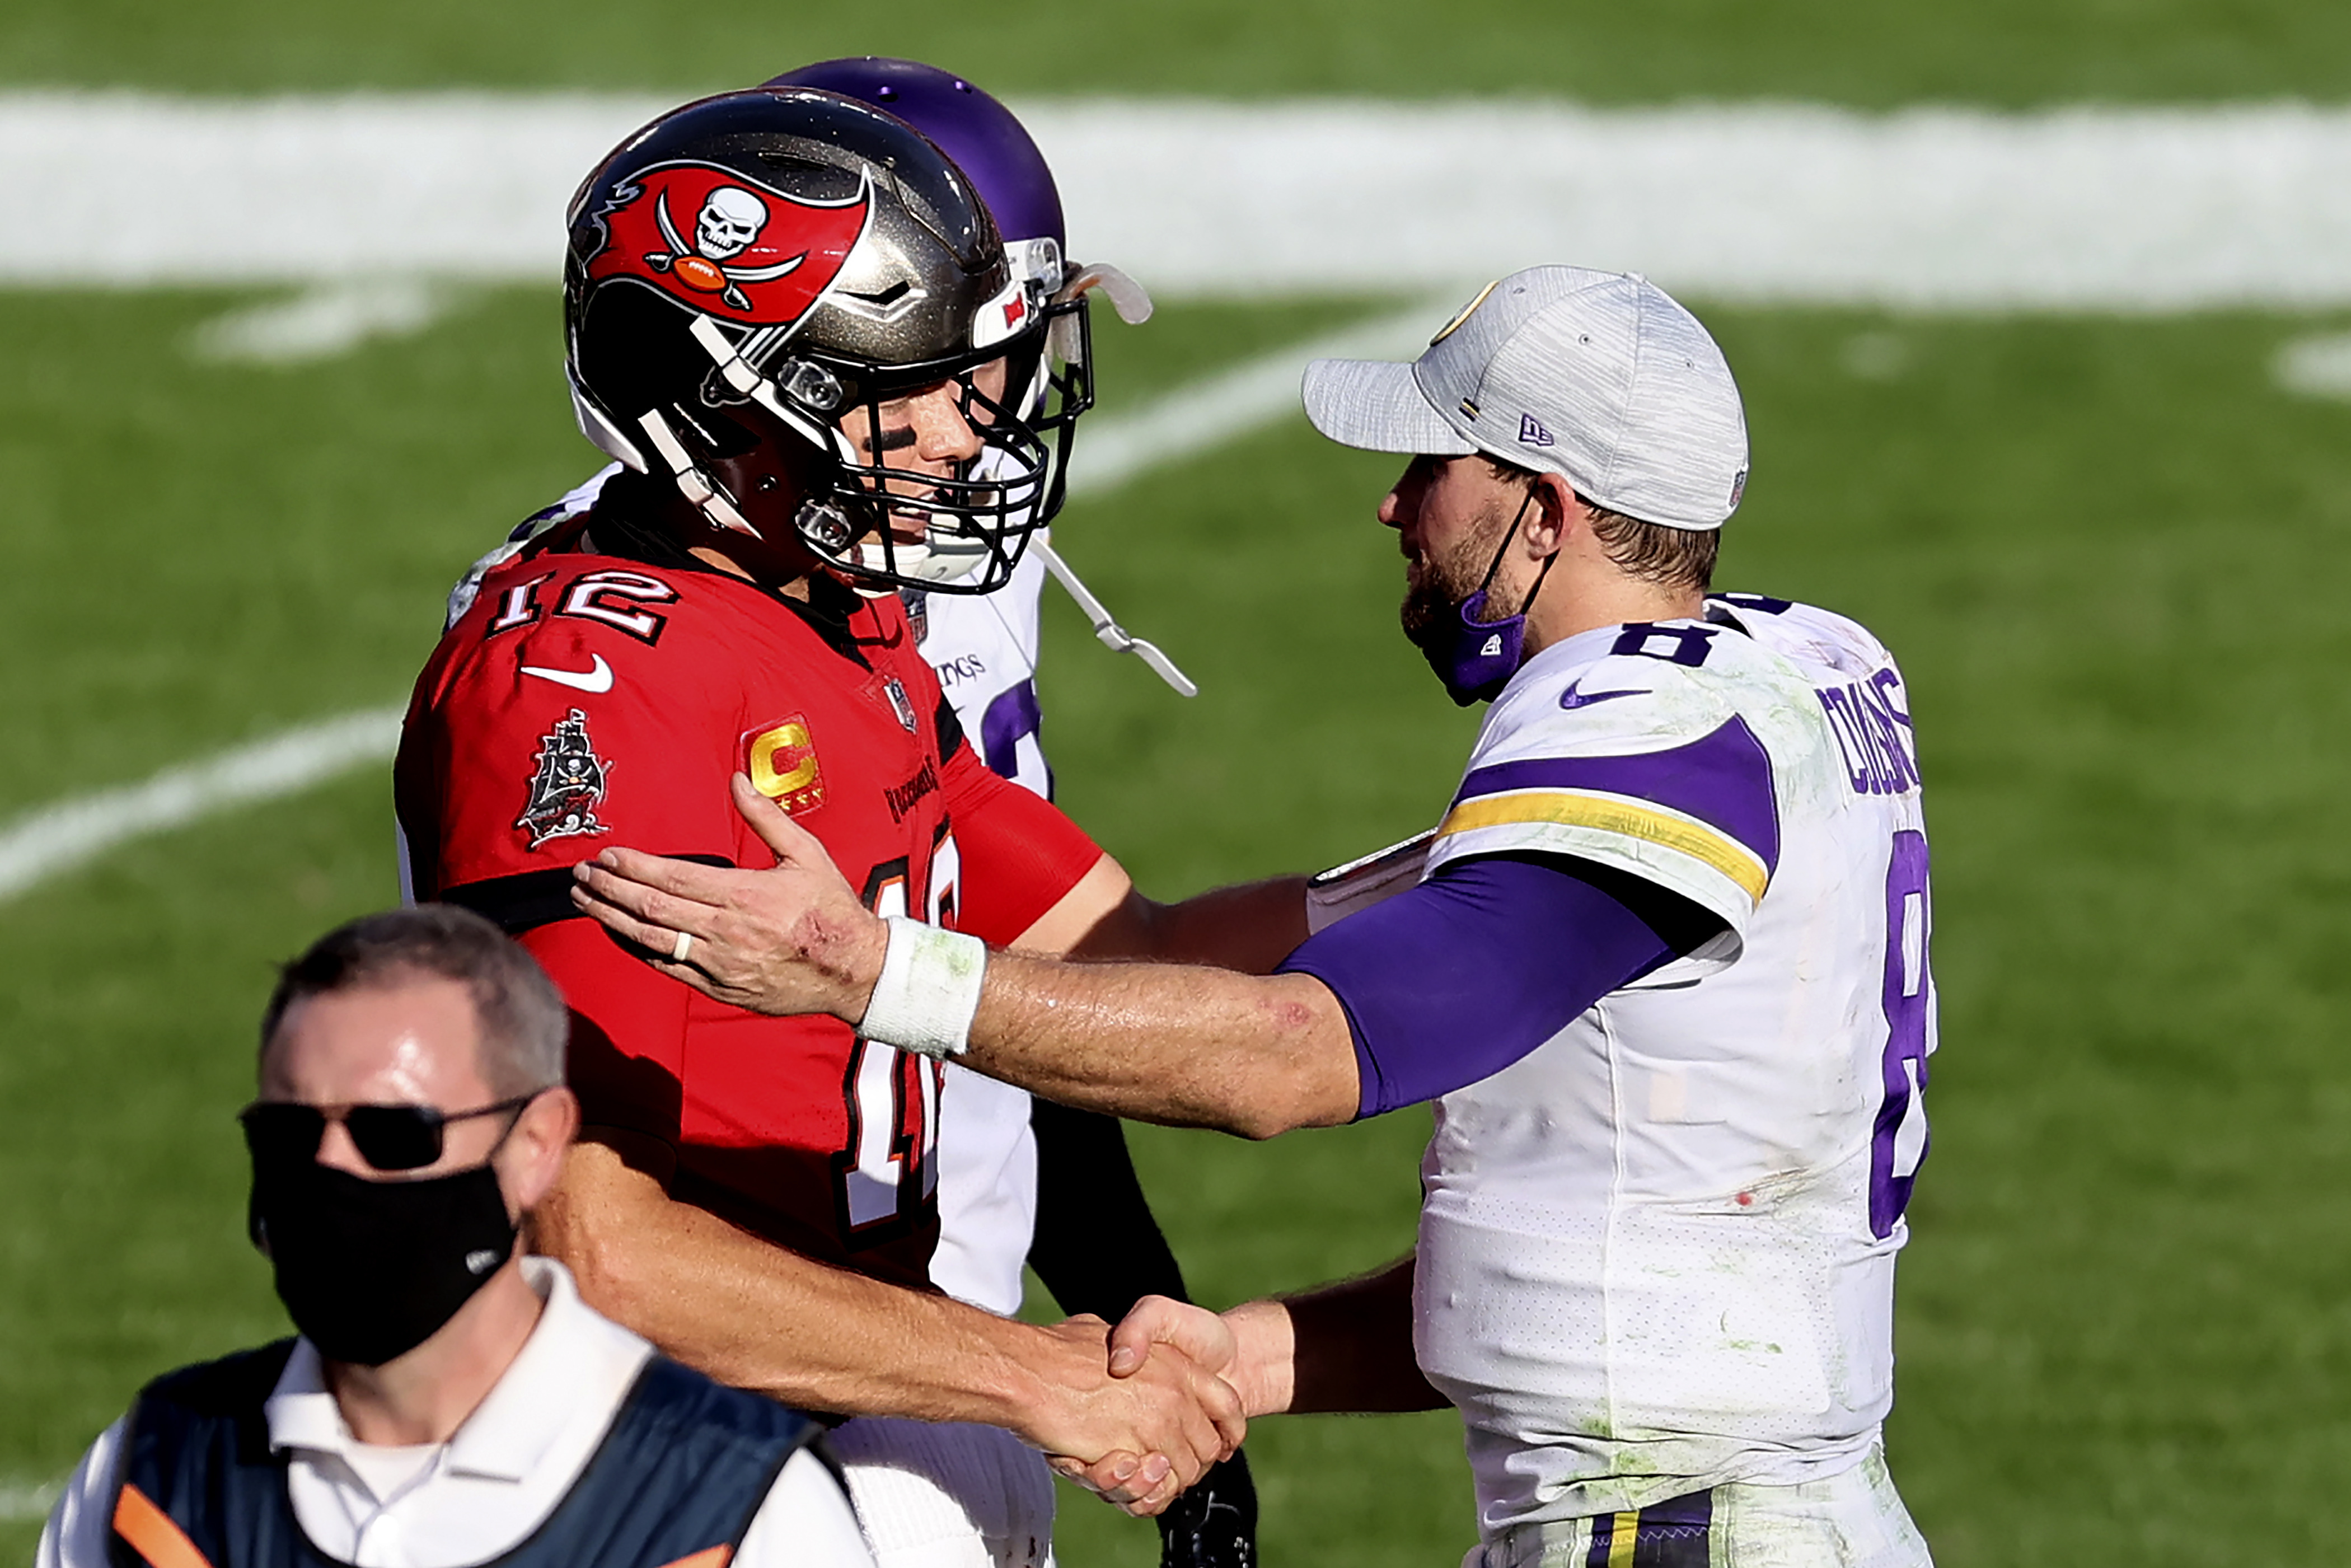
[{"x": 371, "y": 1270}]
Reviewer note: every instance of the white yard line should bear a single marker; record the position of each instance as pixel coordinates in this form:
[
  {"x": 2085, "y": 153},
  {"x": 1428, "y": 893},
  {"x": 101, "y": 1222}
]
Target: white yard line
[
  {"x": 2092, "y": 208},
  {"x": 1209, "y": 412},
  {"x": 72, "y": 832},
  {"x": 321, "y": 321},
  {"x": 1111, "y": 451},
  {"x": 2317, "y": 366},
  {"x": 23, "y": 1501}
]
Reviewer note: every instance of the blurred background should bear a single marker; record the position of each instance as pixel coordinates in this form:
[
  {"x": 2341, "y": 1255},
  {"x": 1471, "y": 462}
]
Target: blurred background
[{"x": 2040, "y": 307}]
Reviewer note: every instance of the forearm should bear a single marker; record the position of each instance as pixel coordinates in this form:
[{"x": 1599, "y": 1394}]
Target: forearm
[
  {"x": 757, "y": 1316},
  {"x": 1343, "y": 1349},
  {"x": 1352, "y": 1346},
  {"x": 1184, "y": 1046},
  {"x": 1249, "y": 928}
]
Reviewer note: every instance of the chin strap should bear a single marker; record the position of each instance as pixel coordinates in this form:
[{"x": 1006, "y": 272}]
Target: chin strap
[
  {"x": 1114, "y": 636},
  {"x": 744, "y": 377},
  {"x": 692, "y": 482}
]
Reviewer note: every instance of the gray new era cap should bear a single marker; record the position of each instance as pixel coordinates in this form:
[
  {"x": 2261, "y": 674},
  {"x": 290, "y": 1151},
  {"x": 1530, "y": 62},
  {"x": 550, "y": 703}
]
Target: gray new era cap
[{"x": 1599, "y": 377}]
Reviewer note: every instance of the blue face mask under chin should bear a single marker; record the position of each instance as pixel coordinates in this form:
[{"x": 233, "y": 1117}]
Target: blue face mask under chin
[{"x": 1477, "y": 658}]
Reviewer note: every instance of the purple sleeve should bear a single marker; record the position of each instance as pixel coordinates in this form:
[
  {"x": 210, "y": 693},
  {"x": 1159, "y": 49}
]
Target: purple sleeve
[{"x": 1465, "y": 974}]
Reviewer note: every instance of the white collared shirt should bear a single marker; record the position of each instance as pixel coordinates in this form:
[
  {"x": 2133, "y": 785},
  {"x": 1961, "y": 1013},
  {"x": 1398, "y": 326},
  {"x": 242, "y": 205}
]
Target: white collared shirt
[{"x": 449, "y": 1505}]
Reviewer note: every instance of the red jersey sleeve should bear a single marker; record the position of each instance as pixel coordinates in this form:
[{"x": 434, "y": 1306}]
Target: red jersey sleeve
[
  {"x": 1021, "y": 856},
  {"x": 532, "y": 745}
]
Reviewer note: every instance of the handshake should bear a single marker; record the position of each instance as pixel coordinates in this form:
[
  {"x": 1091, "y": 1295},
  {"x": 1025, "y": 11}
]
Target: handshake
[{"x": 1139, "y": 1412}]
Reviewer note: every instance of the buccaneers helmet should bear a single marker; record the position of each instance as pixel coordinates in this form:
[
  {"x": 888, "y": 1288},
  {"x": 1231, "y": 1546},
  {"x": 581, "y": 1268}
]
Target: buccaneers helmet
[{"x": 759, "y": 264}]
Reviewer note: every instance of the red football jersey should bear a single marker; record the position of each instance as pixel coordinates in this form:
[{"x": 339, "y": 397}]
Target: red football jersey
[{"x": 588, "y": 700}]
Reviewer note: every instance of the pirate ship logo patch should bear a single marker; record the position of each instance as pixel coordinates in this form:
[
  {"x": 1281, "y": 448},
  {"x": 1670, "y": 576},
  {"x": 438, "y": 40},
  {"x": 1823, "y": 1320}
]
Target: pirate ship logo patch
[{"x": 567, "y": 786}]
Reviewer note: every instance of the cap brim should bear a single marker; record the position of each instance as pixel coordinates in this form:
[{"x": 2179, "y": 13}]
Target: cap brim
[{"x": 1375, "y": 404}]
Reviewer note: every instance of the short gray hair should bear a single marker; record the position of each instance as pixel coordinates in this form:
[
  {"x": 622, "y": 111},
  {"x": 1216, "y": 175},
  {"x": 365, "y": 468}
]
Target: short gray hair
[{"x": 520, "y": 1022}]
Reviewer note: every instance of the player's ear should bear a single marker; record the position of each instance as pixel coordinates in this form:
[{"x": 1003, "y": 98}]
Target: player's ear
[
  {"x": 541, "y": 1135},
  {"x": 1557, "y": 509}
]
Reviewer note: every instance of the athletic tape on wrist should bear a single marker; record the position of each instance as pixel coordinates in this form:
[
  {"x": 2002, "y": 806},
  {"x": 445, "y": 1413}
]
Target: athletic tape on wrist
[{"x": 928, "y": 992}]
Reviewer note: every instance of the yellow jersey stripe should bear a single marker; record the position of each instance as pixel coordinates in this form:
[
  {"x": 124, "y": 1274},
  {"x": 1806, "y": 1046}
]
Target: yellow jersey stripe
[
  {"x": 1624, "y": 1535},
  {"x": 1613, "y": 814}
]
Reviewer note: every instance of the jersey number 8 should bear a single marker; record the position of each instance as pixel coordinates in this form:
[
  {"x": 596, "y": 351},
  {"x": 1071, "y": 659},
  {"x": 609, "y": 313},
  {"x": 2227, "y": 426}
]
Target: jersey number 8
[{"x": 1898, "y": 1142}]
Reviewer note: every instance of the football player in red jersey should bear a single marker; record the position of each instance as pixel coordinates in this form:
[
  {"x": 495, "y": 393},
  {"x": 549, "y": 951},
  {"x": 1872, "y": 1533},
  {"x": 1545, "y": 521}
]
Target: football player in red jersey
[{"x": 791, "y": 321}]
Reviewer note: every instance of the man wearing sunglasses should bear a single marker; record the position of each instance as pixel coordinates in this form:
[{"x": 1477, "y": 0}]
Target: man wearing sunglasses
[{"x": 449, "y": 1400}]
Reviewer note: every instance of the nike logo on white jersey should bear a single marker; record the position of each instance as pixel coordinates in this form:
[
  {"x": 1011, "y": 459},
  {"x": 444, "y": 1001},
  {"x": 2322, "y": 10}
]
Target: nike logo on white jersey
[
  {"x": 598, "y": 678},
  {"x": 1572, "y": 698}
]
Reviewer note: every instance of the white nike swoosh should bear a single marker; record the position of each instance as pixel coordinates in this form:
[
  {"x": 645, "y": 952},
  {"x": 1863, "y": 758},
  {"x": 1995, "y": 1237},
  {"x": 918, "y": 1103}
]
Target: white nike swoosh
[{"x": 598, "y": 679}]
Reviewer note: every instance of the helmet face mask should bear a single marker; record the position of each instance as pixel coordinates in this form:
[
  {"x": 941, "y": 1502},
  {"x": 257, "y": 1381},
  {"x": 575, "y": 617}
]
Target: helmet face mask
[
  {"x": 890, "y": 514},
  {"x": 785, "y": 268}
]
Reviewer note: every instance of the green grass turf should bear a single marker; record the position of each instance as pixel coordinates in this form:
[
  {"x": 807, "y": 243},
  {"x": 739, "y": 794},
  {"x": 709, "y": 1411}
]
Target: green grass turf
[
  {"x": 1864, "y": 52},
  {"x": 2100, "y": 547},
  {"x": 2123, "y": 1333}
]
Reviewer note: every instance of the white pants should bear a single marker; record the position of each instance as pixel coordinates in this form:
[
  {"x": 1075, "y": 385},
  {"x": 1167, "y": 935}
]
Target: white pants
[
  {"x": 947, "y": 1496},
  {"x": 1851, "y": 1520}
]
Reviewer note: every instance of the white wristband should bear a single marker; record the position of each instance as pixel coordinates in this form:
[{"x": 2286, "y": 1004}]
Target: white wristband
[{"x": 928, "y": 992}]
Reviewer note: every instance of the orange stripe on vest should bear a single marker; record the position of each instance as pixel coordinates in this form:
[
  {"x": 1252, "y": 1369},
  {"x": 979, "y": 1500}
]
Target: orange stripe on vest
[{"x": 154, "y": 1537}]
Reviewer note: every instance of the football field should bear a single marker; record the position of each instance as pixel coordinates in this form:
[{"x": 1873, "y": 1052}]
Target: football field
[{"x": 2106, "y": 547}]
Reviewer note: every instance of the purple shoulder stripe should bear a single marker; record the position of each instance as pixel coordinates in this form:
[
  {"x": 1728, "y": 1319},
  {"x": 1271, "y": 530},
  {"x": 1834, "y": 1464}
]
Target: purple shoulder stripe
[{"x": 1723, "y": 779}]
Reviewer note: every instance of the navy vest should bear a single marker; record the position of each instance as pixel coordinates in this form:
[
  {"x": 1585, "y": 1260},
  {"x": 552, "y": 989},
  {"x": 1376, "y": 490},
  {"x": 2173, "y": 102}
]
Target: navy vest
[{"x": 680, "y": 1474}]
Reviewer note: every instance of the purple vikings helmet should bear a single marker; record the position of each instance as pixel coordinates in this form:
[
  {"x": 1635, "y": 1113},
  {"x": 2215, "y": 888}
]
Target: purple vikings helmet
[
  {"x": 996, "y": 152},
  {"x": 992, "y": 147}
]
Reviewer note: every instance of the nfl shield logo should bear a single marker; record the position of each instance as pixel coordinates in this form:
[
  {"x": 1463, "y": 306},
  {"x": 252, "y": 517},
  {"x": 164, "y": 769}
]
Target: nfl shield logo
[{"x": 900, "y": 703}]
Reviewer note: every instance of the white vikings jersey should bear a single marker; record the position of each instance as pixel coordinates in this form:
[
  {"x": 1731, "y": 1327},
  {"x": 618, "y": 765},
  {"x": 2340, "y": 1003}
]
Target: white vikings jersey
[
  {"x": 985, "y": 650},
  {"x": 1656, "y": 1254}
]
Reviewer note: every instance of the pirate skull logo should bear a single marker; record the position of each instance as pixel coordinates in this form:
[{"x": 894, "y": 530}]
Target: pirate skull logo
[
  {"x": 731, "y": 219},
  {"x": 727, "y": 225},
  {"x": 700, "y": 230}
]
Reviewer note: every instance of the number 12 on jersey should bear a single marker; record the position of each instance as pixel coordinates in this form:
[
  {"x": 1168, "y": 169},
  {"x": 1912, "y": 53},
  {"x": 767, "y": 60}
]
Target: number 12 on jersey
[{"x": 888, "y": 1175}]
